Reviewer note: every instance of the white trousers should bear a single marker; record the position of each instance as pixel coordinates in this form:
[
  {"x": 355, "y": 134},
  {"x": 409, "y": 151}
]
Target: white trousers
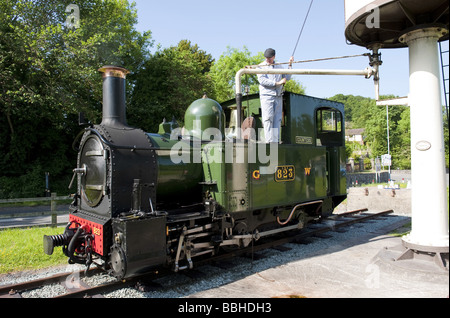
[{"x": 272, "y": 109}]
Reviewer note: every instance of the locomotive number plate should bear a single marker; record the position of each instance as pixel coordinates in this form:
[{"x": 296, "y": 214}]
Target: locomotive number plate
[{"x": 285, "y": 173}]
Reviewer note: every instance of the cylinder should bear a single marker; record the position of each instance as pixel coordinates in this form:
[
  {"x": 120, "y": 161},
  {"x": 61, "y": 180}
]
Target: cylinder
[
  {"x": 114, "y": 98},
  {"x": 429, "y": 197}
]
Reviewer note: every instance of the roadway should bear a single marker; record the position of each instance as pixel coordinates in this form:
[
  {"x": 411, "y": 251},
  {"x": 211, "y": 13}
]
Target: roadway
[{"x": 23, "y": 216}]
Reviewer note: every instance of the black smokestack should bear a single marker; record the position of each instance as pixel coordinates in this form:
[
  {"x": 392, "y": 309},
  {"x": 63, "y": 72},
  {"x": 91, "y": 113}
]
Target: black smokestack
[{"x": 114, "y": 108}]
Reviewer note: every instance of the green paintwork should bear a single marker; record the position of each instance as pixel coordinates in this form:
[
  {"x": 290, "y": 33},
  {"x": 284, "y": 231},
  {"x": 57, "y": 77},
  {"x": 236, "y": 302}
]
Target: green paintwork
[
  {"x": 177, "y": 179},
  {"x": 201, "y": 115},
  {"x": 253, "y": 185},
  {"x": 314, "y": 154},
  {"x": 226, "y": 178},
  {"x": 235, "y": 175},
  {"x": 307, "y": 185}
]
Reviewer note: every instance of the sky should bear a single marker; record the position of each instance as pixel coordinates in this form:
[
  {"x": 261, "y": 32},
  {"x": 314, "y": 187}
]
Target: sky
[{"x": 257, "y": 25}]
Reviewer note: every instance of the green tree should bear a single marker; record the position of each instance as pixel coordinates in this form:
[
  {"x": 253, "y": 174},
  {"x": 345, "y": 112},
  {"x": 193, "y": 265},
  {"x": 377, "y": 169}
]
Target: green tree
[
  {"x": 402, "y": 143},
  {"x": 48, "y": 73},
  {"x": 362, "y": 112},
  {"x": 170, "y": 80},
  {"x": 294, "y": 87},
  {"x": 224, "y": 71}
]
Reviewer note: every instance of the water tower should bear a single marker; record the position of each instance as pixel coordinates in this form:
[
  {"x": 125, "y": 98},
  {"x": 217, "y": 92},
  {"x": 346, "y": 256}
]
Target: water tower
[{"x": 418, "y": 25}]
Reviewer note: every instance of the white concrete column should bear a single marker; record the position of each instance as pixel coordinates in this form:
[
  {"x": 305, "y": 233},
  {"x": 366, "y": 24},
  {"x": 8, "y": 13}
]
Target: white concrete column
[{"x": 429, "y": 195}]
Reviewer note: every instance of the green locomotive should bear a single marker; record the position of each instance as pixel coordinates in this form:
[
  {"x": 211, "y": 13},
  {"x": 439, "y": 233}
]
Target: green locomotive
[{"x": 162, "y": 199}]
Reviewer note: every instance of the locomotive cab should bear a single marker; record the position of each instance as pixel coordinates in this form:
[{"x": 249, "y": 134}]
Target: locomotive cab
[{"x": 310, "y": 160}]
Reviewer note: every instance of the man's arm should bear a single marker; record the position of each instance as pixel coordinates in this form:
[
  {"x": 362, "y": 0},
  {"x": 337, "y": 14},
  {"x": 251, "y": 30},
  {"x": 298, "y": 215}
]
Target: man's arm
[
  {"x": 288, "y": 77},
  {"x": 264, "y": 80}
]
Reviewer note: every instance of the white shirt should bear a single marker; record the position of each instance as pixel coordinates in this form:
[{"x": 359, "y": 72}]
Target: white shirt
[{"x": 267, "y": 82}]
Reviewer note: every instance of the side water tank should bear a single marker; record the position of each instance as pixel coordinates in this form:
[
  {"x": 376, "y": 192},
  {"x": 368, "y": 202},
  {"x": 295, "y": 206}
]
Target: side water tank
[{"x": 205, "y": 120}]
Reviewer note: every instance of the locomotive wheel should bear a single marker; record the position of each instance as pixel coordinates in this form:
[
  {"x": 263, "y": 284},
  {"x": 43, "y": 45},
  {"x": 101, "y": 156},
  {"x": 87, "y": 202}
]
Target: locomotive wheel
[
  {"x": 117, "y": 262},
  {"x": 240, "y": 228}
]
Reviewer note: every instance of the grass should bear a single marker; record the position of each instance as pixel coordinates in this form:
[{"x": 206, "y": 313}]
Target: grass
[
  {"x": 22, "y": 249},
  {"x": 402, "y": 231}
]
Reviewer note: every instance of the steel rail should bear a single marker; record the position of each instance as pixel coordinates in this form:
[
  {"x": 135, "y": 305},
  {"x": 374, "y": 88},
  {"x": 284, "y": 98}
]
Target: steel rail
[
  {"x": 13, "y": 290},
  {"x": 93, "y": 291},
  {"x": 250, "y": 249},
  {"x": 306, "y": 232},
  {"x": 342, "y": 220}
]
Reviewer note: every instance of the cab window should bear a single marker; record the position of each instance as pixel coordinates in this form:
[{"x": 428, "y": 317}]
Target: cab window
[{"x": 329, "y": 128}]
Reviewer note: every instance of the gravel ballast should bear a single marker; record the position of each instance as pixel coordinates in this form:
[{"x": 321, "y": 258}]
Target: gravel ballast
[{"x": 212, "y": 278}]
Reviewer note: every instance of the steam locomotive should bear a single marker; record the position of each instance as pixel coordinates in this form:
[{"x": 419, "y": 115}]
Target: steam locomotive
[{"x": 147, "y": 200}]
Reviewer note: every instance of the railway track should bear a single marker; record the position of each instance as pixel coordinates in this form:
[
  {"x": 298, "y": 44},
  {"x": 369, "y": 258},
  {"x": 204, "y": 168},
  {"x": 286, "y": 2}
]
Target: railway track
[{"x": 74, "y": 287}]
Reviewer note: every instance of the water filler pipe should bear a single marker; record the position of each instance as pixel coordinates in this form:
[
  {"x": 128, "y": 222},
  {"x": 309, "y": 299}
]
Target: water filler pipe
[{"x": 367, "y": 73}]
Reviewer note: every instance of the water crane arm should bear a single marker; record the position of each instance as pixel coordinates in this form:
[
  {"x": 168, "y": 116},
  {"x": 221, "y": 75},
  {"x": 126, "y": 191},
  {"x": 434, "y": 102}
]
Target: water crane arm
[{"x": 367, "y": 73}]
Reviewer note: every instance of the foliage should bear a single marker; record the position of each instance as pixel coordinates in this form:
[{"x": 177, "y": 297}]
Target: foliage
[
  {"x": 168, "y": 82},
  {"x": 224, "y": 71},
  {"x": 48, "y": 73},
  {"x": 174, "y": 77},
  {"x": 294, "y": 87},
  {"x": 362, "y": 112},
  {"x": 401, "y": 145},
  {"x": 348, "y": 150}
]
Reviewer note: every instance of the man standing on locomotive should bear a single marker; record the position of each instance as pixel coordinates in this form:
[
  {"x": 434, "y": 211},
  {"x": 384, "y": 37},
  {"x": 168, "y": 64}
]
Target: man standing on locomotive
[{"x": 270, "y": 91}]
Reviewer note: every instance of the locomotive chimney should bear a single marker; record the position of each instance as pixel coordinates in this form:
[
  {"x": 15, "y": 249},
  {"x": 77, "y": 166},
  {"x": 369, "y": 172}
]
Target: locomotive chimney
[{"x": 114, "y": 108}]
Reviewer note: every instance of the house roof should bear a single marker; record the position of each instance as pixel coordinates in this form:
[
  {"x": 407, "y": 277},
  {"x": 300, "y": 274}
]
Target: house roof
[{"x": 353, "y": 132}]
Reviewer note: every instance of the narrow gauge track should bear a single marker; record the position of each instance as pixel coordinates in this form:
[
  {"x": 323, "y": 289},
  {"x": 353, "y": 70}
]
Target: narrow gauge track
[{"x": 333, "y": 223}]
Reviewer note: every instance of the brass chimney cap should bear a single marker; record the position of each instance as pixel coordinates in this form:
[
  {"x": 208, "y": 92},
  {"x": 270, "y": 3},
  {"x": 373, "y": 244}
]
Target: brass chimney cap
[{"x": 113, "y": 71}]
